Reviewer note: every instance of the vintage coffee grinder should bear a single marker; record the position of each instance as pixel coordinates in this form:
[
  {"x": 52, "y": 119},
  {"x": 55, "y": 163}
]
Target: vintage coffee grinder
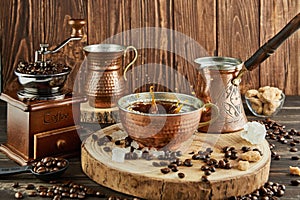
[{"x": 43, "y": 117}]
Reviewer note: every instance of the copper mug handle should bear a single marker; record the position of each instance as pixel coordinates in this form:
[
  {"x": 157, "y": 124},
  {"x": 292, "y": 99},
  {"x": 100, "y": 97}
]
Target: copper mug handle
[
  {"x": 132, "y": 62},
  {"x": 214, "y": 107}
]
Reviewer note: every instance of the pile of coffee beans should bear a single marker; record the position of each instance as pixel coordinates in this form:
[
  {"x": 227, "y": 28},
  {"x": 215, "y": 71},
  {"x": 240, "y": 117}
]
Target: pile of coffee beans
[
  {"x": 270, "y": 190},
  {"x": 60, "y": 190},
  {"x": 41, "y": 68},
  {"x": 49, "y": 164},
  {"x": 277, "y": 132}
]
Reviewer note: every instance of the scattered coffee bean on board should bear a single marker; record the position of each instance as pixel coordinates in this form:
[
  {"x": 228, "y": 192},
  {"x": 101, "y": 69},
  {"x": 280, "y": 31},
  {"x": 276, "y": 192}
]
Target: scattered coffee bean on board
[
  {"x": 107, "y": 149},
  {"x": 181, "y": 175},
  {"x": 188, "y": 163},
  {"x": 204, "y": 179},
  {"x": 165, "y": 170},
  {"x": 156, "y": 164}
]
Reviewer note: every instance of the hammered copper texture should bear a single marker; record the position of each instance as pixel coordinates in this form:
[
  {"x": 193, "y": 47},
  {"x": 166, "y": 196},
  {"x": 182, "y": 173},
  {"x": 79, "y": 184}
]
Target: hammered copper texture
[
  {"x": 104, "y": 82},
  {"x": 161, "y": 132}
]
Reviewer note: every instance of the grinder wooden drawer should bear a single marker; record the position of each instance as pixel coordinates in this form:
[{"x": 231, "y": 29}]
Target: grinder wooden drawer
[{"x": 60, "y": 141}]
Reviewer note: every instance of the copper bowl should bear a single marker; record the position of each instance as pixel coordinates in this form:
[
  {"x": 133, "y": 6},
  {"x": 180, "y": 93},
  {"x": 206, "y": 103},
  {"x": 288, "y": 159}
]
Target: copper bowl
[{"x": 162, "y": 131}]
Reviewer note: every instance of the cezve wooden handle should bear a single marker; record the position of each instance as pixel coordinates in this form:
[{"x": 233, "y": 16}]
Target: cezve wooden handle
[{"x": 269, "y": 47}]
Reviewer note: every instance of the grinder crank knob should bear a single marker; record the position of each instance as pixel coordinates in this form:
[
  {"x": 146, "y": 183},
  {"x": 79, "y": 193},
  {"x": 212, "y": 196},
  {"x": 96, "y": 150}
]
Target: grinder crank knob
[{"x": 77, "y": 27}]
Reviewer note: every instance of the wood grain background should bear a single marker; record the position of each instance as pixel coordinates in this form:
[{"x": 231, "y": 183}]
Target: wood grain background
[{"x": 234, "y": 28}]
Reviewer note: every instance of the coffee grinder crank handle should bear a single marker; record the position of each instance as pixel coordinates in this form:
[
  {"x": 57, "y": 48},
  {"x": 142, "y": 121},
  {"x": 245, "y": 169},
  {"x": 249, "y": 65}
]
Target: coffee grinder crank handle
[{"x": 76, "y": 34}]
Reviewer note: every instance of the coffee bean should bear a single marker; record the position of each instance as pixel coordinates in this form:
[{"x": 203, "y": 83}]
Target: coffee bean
[
  {"x": 174, "y": 169},
  {"x": 73, "y": 196},
  {"x": 294, "y": 149},
  {"x": 30, "y": 187},
  {"x": 228, "y": 166},
  {"x": 173, "y": 155},
  {"x": 207, "y": 172},
  {"x": 94, "y": 137},
  {"x": 204, "y": 167},
  {"x": 50, "y": 194},
  {"x": 179, "y": 153},
  {"x": 165, "y": 170},
  {"x": 273, "y": 153},
  {"x": 295, "y": 157},
  {"x": 181, "y": 175},
  {"x": 284, "y": 142},
  {"x": 43, "y": 194},
  {"x": 204, "y": 178},
  {"x": 292, "y": 144},
  {"x": 41, "y": 170},
  {"x": 156, "y": 164},
  {"x": 32, "y": 193},
  {"x": 209, "y": 150},
  {"x": 188, "y": 163},
  {"x": 65, "y": 194},
  {"x": 15, "y": 185},
  {"x": 225, "y": 149},
  {"x": 196, "y": 157},
  {"x": 295, "y": 182},
  {"x": 107, "y": 149},
  {"x": 221, "y": 163},
  {"x": 177, "y": 161},
  {"x": 296, "y": 141},
  {"x": 57, "y": 197},
  {"x": 277, "y": 157},
  {"x": 42, "y": 188},
  {"x": 233, "y": 156},
  {"x": 271, "y": 146},
  {"x": 212, "y": 169},
  {"x": 227, "y": 154},
  {"x": 280, "y": 193},
  {"x": 80, "y": 196},
  {"x": 18, "y": 195},
  {"x": 163, "y": 163},
  {"x": 281, "y": 187}
]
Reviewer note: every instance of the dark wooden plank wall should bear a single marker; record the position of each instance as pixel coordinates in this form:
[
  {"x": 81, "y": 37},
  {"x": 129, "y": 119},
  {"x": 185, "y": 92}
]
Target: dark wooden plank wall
[{"x": 234, "y": 28}]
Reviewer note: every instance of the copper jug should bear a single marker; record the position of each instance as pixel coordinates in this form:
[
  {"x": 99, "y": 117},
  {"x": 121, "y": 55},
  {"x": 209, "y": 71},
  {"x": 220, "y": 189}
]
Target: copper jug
[
  {"x": 223, "y": 76},
  {"x": 105, "y": 71},
  {"x": 219, "y": 73}
]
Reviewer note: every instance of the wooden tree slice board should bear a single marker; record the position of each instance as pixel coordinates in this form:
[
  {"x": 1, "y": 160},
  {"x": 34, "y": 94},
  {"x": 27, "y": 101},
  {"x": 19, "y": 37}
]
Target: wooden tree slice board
[
  {"x": 91, "y": 114},
  {"x": 140, "y": 178}
]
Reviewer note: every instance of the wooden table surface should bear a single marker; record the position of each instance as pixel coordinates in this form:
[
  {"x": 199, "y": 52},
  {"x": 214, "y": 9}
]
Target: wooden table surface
[{"x": 279, "y": 172}]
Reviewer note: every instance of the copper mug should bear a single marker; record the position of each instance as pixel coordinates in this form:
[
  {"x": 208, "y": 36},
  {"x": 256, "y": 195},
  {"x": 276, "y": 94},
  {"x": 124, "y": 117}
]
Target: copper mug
[{"x": 106, "y": 73}]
